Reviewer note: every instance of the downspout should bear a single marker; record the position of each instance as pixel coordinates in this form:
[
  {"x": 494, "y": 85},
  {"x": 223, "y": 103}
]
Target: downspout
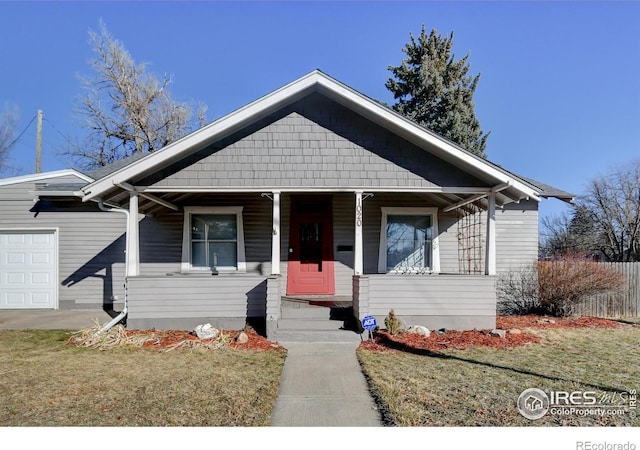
[{"x": 123, "y": 313}]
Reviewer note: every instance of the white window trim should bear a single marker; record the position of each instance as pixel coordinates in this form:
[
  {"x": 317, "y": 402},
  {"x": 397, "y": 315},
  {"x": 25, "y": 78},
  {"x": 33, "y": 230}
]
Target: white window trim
[
  {"x": 435, "y": 247},
  {"x": 186, "y": 237}
]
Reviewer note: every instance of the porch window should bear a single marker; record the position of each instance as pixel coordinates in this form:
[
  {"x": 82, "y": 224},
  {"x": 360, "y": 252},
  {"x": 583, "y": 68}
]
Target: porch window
[
  {"x": 213, "y": 239},
  {"x": 408, "y": 241}
]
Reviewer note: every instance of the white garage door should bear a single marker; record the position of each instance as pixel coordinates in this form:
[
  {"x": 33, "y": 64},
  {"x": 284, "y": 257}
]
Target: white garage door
[{"x": 27, "y": 269}]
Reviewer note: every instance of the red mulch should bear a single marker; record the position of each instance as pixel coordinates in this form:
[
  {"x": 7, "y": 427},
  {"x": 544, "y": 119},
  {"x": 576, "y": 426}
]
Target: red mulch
[
  {"x": 460, "y": 340},
  {"x": 167, "y": 338},
  {"x": 533, "y": 321},
  {"x": 436, "y": 341}
]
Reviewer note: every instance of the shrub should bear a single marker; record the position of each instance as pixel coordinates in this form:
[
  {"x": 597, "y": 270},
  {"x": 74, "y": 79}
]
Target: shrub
[
  {"x": 564, "y": 282},
  {"x": 517, "y": 292},
  {"x": 555, "y": 287},
  {"x": 392, "y": 323}
]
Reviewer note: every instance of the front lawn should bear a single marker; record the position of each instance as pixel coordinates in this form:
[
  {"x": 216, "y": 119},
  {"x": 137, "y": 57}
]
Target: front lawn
[
  {"x": 46, "y": 382},
  {"x": 480, "y": 386}
]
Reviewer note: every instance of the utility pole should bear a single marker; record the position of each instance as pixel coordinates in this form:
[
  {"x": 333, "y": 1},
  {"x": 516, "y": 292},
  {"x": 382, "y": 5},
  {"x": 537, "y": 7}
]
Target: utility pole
[{"x": 39, "y": 142}]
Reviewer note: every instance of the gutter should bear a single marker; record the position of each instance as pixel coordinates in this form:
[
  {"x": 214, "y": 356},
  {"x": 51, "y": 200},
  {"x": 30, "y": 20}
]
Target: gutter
[{"x": 123, "y": 313}]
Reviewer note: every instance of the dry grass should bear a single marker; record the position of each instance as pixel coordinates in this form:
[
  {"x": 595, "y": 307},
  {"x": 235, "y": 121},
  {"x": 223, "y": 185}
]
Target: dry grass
[
  {"x": 46, "y": 382},
  {"x": 480, "y": 387}
]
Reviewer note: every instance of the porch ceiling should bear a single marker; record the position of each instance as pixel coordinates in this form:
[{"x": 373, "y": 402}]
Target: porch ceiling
[{"x": 156, "y": 203}]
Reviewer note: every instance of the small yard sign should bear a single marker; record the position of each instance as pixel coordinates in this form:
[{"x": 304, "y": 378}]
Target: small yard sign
[{"x": 369, "y": 323}]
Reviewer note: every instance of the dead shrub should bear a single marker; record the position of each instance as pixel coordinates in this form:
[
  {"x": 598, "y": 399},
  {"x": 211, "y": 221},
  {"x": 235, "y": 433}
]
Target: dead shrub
[{"x": 392, "y": 323}]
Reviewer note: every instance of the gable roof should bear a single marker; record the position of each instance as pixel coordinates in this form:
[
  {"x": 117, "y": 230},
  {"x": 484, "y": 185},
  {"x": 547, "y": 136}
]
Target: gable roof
[
  {"x": 42, "y": 176},
  {"x": 513, "y": 187}
]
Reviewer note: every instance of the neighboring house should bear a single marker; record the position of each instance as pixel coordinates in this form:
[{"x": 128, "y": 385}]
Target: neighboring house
[{"x": 314, "y": 190}]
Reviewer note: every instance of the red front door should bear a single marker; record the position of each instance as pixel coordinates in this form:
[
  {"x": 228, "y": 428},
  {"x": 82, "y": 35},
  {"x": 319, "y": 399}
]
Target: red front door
[{"x": 310, "y": 269}]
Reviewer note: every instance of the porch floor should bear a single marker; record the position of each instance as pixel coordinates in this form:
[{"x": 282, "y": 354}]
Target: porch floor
[{"x": 328, "y": 301}]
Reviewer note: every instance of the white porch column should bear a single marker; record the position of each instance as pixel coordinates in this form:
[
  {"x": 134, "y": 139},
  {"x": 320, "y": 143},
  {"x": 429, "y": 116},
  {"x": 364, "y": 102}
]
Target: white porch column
[
  {"x": 133, "y": 238},
  {"x": 357, "y": 251},
  {"x": 490, "y": 254},
  {"x": 275, "y": 239}
]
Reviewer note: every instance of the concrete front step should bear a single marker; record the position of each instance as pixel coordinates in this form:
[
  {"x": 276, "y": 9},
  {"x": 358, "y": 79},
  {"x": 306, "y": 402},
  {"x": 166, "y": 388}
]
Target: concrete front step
[
  {"x": 310, "y": 312},
  {"x": 316, "y": 336},
  {"x": 309, "y": 324}
]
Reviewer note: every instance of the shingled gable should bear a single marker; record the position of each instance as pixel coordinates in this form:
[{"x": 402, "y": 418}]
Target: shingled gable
[{"x": 512, "y": 188}]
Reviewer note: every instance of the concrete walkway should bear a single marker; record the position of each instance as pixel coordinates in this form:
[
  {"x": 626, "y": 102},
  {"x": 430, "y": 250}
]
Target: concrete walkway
[{"x": 322, "y": 385}]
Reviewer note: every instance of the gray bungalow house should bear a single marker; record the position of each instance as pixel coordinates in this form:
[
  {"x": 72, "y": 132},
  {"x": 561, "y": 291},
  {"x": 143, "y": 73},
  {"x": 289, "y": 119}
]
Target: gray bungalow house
[{"x": 314, "y": 192}]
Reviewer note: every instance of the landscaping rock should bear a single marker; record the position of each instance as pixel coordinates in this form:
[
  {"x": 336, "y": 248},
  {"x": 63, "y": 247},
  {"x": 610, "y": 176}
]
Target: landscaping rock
[
  {"x": 206, "y": 331},
  {"x": 242, "y": 338},
  {"x": 546, "y": 321},
  {"x": 419, "y": 330},
  {"x": 498, "y": 333},
  {"x": 515, "y": 331}
]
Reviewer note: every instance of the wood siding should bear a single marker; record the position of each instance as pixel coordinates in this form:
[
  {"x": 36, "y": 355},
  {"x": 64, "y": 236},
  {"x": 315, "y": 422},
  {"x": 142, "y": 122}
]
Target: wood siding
[
  {"x": 312, "y": 143},
  {"x": 90, "y": 243},
  {"x": 436, "y": 301},
  {"x": 516, "y": 235},
  {"x": 195, "y": 299}
]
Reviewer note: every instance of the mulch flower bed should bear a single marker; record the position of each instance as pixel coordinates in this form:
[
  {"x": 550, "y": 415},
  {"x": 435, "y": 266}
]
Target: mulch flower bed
[
  {"x": 459, "y": 340},
  {"x": 533, "y": 321},
  {"x": 168, "y": 340},
  {"x": 172, "y": 338}
]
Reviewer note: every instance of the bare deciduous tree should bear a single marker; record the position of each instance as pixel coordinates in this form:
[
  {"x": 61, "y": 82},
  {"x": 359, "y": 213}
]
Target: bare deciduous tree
[
  {"x": 8, "y": 120},
  {"x": 126, "y": 109},
  {"x": 605, "y": 222},
  {"x": 613, "y": 201}
]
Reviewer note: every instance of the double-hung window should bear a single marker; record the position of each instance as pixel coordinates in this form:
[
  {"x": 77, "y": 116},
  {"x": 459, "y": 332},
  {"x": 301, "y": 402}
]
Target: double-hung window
[
  {"x": 213, "y": 239},
  {"x": 408, "y": 241}
]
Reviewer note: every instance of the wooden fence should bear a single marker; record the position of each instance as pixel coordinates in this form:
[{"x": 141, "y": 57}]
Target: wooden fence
[{"x": 624, "y": 304}]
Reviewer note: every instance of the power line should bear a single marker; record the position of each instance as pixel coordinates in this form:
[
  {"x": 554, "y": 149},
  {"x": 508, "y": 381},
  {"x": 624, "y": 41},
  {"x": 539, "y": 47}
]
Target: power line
[
  {"x": 58, "y": 131},
  {"x": 23, "y": 131}
]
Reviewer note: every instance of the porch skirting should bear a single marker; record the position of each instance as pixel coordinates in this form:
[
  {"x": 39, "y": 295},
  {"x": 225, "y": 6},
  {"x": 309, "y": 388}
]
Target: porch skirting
[
  {"x": 451, "y": 301},
  {"x": 185, "y": 301}
]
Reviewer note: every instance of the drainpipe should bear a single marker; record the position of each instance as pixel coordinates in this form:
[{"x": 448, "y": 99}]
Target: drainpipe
[{"x": 122, "y": 314}]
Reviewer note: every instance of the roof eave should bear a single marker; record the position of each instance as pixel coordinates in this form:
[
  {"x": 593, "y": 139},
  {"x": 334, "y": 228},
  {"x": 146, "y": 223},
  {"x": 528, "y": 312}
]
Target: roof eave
[{"x": 45, "y": 176}]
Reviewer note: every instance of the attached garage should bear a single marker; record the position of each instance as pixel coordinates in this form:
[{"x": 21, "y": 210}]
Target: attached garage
[{"x": 28, "y": 269}]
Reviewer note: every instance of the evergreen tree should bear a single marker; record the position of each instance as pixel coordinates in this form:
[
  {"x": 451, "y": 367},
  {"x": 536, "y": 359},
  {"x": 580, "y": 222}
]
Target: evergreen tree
[{"x": 436, "y": 91}]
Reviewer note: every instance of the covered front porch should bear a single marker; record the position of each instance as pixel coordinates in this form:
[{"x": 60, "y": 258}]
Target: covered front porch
[{"x": 451, "y": 287}]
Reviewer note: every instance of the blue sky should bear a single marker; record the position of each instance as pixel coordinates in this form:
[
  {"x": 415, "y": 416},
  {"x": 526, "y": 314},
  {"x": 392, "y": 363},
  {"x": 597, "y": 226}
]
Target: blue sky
[{"x": 559, "y": 88}]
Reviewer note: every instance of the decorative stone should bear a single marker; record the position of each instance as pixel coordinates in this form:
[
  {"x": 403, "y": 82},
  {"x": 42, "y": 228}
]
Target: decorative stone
[
  {"x": 419, "y": 330},
  {"x": 515, "y": 331},
  {"x": 206, "y": 331},
  {"x": 546, "y": 320},
  {"x": 498, "y": 333},
  {"x": 242, "y": 338}
]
